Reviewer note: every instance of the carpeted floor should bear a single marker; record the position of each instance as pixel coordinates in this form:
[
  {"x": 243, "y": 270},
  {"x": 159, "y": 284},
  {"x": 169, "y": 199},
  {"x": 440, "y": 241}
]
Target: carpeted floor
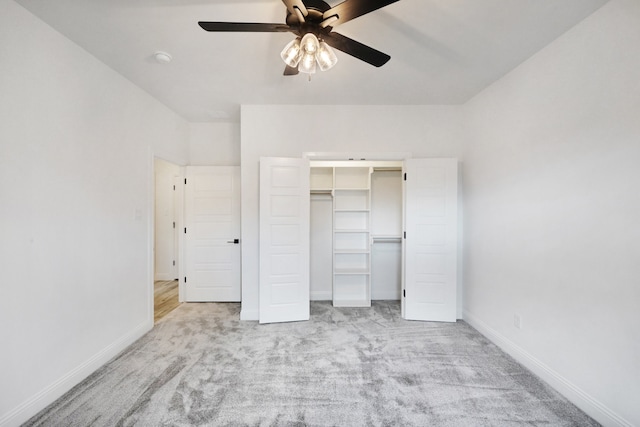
[{"x": 202, "y": 366}]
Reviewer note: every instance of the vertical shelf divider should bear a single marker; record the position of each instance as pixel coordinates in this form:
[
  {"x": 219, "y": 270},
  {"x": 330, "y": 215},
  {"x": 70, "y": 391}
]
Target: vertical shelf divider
[{"x": 352, "y": 236}]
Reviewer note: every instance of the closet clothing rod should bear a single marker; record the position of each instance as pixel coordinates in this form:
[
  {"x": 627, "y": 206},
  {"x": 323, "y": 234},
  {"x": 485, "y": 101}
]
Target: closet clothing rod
[
  {"x": 388, "y": 168},
  {"x": 386, "y": 239}
]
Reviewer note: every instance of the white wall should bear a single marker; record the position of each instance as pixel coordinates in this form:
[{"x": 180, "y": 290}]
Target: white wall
[
  {"x": 76, "y": 147},
  {"x": 290, "y": 131},
  {"x": 321, "y": 247},
  {"x": 552, "y": 208},
  {"x": 214, "y": 144}
]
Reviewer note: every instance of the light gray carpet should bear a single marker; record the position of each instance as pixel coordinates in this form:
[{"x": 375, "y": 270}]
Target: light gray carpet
[{"x": 346, "y": 367}]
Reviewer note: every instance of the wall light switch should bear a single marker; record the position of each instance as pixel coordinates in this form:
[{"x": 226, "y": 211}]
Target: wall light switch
[{"x": 517, "y": 321}]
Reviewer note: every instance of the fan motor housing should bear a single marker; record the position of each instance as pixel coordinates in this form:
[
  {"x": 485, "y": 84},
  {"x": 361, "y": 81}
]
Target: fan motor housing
[{"x": 316, "y": 9}]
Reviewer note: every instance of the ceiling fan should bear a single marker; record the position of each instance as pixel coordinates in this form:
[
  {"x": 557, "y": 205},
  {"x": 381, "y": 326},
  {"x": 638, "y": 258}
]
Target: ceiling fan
[{"x": 312, "y": 21}]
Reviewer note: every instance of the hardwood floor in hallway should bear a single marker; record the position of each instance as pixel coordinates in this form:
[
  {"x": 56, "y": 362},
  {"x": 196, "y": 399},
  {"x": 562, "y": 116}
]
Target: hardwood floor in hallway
[{"x": 165, "y": 298}]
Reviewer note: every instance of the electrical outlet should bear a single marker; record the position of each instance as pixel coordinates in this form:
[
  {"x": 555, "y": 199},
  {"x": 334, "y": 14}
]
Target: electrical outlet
[{"x": 517, "y": 321}]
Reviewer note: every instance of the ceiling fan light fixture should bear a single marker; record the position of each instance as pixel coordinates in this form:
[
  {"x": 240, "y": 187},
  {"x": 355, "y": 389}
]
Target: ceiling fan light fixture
[
  {"x": 326, "y": 57},
  {"x": 309, "y": 22},
  {"x": 292, "y": 53}
]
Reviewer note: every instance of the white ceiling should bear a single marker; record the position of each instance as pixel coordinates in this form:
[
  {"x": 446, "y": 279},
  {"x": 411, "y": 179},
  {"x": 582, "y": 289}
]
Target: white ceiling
[{"x": 442, "y": 51}]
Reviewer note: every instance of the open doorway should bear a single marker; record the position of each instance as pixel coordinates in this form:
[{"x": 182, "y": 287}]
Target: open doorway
[{"x": 167, "y": 205}]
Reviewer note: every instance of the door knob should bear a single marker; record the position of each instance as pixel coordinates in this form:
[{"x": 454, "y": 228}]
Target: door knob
[{"x": 234, "y": 241}]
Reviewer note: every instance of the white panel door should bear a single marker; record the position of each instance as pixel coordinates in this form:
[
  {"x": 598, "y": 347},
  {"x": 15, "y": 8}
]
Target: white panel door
[
  {"x": 212, "y": 233},
  {"x": 431, "y": 219},
  {"x": 284, "y": 240}
]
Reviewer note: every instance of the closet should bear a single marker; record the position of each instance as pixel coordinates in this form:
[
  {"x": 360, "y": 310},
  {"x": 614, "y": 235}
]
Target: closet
[
  {"x": 351, "y": 231},
  {"x": 356, "y": 226}
]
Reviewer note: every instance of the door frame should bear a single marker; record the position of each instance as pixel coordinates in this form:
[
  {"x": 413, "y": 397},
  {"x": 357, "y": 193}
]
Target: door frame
[
  {"x": 179, "y": 213},
  {"x": 356, "y": 155},
  {"x": 180, "y": 243},
  {"x": 381, "y": 160}
]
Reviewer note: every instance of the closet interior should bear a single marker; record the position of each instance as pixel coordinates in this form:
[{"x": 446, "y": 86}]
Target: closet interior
[{"x": 356, "y": 228}]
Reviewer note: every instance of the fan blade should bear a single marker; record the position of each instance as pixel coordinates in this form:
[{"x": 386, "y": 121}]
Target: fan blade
[
  {"x": 290, "y": 71},
  {"x": 244, "y": 27},
  {"x": 351, "y": 9},
  {"x": 356, "y": 49},
  {"x": 292, "y": 4}
]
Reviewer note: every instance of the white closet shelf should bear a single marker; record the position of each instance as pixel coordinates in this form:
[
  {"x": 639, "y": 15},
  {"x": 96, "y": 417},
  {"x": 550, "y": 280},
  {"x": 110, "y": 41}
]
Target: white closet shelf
[
  {"x": 351, "y": 251},
  {"x": 351, "y": 230},
  {"x": 351, "y": 189},
  {"x": 349, "y": 271},
  {"x": 321, "y": 191},
  {"x": 352, "y": 210},
  {"x": 386, "y": 239}
]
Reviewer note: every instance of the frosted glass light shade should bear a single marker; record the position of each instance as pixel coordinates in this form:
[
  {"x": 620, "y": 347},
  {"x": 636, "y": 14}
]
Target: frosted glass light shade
[
  {"x": 326, "y": 57},
  {"x": 309, "y": 43},
  {"x": 307, "y": 63},
  {"x": 292, "y": 53}
]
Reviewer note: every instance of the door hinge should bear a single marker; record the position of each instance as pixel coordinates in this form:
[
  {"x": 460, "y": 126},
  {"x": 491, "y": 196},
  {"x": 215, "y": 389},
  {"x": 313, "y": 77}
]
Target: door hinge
[
  {"x": 174, "y": 188},
  {"x": 404, "y": 293},
  {"x": 185, "y": 279},
  {"x": 174, "y": 262},
  {"x": 174, "y": 224},
  {"x": 405, "y": 234},
  {"x": 185, "y": 230},
  {"x": 405, "y": 176},
  {"x": 185, "y": 181}
]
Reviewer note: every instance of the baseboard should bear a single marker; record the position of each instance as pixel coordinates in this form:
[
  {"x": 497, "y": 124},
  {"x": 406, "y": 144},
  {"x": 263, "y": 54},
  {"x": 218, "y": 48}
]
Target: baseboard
[
  {"x": 593, "y": 407},
  {"x": 49, "y": 394},
  {"x": 321, "y": 295},
  {"x": 249, "y": 314},
  {"x": 392, "y": 295},
  {"x": 380, "y": 296}
]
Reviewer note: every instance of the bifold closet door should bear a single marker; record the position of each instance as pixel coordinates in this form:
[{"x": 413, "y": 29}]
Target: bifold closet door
[
  {"x": 431, "y": 222},
  {"x": 284, "y": 239}
]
